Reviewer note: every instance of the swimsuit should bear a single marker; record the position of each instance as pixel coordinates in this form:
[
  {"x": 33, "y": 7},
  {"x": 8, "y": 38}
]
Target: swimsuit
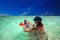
[{"x": 26, "y": 24}]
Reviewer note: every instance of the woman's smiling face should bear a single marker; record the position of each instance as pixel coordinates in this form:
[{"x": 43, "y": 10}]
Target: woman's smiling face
[{"x": 36, "y": 22}]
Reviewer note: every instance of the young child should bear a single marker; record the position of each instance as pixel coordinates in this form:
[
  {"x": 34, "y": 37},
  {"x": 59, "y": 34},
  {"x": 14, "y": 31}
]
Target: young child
[{"x": 26, "y": 23}]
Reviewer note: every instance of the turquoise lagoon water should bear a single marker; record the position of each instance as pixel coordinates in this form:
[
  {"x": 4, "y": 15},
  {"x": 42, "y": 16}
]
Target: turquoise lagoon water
[{"x": 10, "y": 29}]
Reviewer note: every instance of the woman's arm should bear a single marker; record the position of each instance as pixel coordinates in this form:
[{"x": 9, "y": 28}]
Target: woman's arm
[
  {"x": 25, "y": 29},
  {"x": 30, "y": 29}
]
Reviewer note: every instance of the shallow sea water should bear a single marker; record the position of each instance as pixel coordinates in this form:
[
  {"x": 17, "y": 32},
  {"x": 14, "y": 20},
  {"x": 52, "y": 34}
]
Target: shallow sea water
[{"x": 10, "y": 29}]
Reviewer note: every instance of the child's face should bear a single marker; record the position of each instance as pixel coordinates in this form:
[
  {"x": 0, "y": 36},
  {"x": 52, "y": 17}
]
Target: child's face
[{"x": 25, "y": 21}]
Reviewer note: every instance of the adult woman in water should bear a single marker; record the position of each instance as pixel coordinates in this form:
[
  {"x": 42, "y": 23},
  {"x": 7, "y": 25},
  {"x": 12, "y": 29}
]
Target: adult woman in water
[
  {"x": 37, "y": 30},
  {"x": 37, "y": 26}
]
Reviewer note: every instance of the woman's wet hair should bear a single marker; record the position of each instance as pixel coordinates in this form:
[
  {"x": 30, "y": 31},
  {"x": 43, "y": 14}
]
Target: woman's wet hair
[
  {"x": 39, "y": 24},
  {"x": 38, "y": 20}
]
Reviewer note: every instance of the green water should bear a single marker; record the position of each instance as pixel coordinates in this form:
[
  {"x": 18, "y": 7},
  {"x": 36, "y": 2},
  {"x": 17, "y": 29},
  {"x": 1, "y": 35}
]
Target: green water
[{"x": 10, "y": 29}]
